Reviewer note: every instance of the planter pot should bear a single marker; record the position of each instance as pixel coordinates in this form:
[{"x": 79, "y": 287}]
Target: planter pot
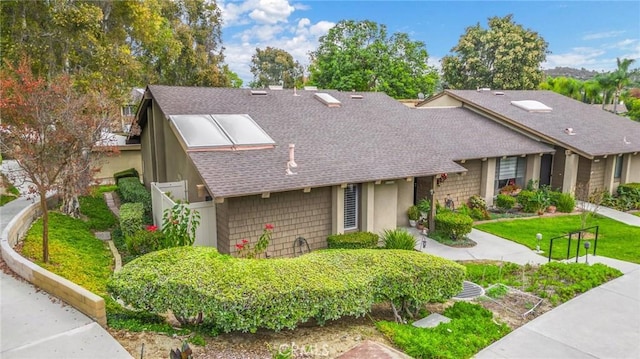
[
  {"x": 412, "y": 223},
  {"x": 551, "y": 209},
  {"x": 420, "y": 226}
]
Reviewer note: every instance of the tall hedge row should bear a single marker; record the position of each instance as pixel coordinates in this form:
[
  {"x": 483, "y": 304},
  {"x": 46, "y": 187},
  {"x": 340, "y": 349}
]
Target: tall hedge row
[{"x": 246, "y": 294}]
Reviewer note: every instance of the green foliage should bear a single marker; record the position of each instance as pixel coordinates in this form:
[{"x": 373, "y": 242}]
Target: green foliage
[
  {"x": 527, "y": 200},
  {"x": 273, "y": 66},
  {"x": 497, "y": 291},
  {"x": 424, "y": 205},
  {"x": 4, "y": 199},
  {"x": 398, "y": 238},
  {"x": 132, "y": 191},
  {"x": 144, "y": 241},
  {"x": 476, "y": 201},
  {"x": 486, "y": 274},
  {"x": 131, "y": 172},
  {"x": 513, "y": 63},
  {"x": 569, "y": 279},
  {"x": 471, "y": 328},
  {"x": 413, "y": 213},
  {"x": 354, "y": 240},
  {"x": 360, "y": 56},
  {"x": 454, "y": 225},
  {"x": 75, "y": 253},
  {"x": 179, "y": 225},
  {"x": 131, "y": 218},
  {"x": 505, "y": 202},
  {"x": 247, "y": 294},
  {"x": 100, "y": 217},
  {"x": 565, "y": 203}
]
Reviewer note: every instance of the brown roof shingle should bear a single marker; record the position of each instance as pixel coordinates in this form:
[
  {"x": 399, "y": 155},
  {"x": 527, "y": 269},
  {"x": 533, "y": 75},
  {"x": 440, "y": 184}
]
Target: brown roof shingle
[{"x": 373, "y": 138}]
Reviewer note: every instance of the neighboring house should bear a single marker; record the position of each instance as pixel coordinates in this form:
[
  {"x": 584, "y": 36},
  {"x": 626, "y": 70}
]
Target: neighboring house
[
  {"x": 361, "y": 159},
  {"x": 595, "y": 149}
]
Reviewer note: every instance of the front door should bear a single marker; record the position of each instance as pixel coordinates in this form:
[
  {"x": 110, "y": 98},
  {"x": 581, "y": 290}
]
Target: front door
[{"x": 545, "y": 170}]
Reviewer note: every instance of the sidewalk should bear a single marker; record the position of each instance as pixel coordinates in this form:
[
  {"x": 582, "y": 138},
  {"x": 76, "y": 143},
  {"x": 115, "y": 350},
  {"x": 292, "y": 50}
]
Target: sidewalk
[
  {"x": 601, "y": 323},
  {"x": 33, "y": 325},
  {"x": 623, "y": 217}
]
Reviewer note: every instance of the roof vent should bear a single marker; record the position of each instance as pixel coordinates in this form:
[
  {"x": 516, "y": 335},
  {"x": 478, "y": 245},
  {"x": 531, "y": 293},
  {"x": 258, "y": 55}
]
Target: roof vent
[
  {"x": 532, "y": 106},
  {"x": 258, "y": 93},
  {"x": 569, "y": 131},
  {"x": 327, "y": 99},
  {"x": 357, "y": 97},
  {"x": 275, "y": 87},
  {"x": 482, "y": 89},
  {"x": 499, "y": 93},
  {"x": 311, "y": 88}
]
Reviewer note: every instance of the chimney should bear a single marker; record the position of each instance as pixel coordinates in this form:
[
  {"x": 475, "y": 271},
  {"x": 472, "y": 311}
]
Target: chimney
[{"x": 292, "y": 163}]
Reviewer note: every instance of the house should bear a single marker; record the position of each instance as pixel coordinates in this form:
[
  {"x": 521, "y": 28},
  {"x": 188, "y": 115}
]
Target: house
[
  {"x": 594, "y": 149},
  {"x": 314, "y": 163}
]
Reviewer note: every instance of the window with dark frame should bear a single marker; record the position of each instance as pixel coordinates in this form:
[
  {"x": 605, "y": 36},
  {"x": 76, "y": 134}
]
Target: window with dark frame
[
  {"x": 351, "y": 204},
  {"x": 617, "y": 173},
  {"x": 510, "y": 171}
]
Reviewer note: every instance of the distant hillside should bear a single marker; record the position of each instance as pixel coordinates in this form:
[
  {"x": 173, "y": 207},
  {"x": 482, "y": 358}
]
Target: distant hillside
[{"x": 579, "y": 74}]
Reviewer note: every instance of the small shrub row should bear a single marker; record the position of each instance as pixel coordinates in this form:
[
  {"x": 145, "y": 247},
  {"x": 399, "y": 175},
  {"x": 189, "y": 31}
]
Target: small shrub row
[
  {"x": 131, "y": 172},
  {"x": 355, "y": 240},
  {"x": 505, "y": 202},
  {"x": 398, "y": 238},
  {"x": 471, "y": 328},
  {"x": 131, "y": 190},
  {"x": 131, "y": 218},
  {"x": 627, "y": 197},
  {"x": 455, "y": 225},
  {"x": 233, "y": 294}
]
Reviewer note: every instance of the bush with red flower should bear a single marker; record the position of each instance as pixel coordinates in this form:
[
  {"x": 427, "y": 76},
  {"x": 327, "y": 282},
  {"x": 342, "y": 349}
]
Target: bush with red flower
[{"x": 246, "y": 250}]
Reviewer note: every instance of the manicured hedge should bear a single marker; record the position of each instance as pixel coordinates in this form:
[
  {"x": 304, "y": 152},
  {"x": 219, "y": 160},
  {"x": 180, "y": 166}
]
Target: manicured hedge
[
  {"x": 505, "y": 202},
  {"x": 455, "y": 225},
  {"x": 131, "y": 218},
  {"x": 132, "y": 191},
  {"x": 131, "y": 172},
  {"x": 236, "y": 294},
  {"x": 355, "y": 240}
]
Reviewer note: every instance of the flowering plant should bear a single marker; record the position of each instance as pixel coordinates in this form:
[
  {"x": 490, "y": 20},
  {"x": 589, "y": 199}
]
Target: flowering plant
[
  {"x": 152, "y": 228},
  {"x": 246, "y": 251},
  {"x": 441, "y": 178}
]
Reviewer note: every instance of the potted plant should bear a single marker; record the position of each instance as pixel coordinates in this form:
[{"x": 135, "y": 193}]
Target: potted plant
[
  {"x": 424, "y": 206},
  {"x": 421, "y": 224},
  {"x": 414, "y": 214}
]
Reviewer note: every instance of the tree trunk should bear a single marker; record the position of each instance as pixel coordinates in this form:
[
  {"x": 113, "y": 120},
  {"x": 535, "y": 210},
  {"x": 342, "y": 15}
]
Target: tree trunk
[{"x": 45, "y": 226}]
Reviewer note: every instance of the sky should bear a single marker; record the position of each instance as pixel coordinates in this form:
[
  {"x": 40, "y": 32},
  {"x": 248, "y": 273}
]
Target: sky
[{"x": 580, "y": 34}]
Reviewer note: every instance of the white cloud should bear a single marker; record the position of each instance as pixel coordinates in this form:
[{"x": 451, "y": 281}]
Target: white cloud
[
  {"x": 602, "y": 35},
  {"x": 578, "y": 57},
  {"x": 260, "y": 11}
]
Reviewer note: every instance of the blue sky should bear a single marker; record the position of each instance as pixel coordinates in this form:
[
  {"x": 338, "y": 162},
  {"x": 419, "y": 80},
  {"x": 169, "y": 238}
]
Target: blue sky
[{"x": 589, "y": 34}]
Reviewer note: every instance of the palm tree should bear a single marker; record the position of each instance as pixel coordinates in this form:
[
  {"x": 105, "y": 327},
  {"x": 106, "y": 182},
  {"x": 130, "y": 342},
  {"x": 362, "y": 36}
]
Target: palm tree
[
  {"x": 605, "y": 82},
  {"x": 621, "y": 78}
]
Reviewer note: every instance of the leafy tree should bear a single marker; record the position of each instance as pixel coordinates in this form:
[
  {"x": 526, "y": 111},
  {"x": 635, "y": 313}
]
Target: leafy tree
[
  {"x": 358, "y": 55},
  {"x": 504, "y": 56},
  {"x": 50, "y": 128},
  {"x": 273, "y": 66},
  {"x": 620, "y": 78}
]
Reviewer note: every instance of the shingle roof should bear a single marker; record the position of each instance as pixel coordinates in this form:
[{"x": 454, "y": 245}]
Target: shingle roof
[
  {"x": 597, "y": 132},
  {"x": 368, "y": 139}
]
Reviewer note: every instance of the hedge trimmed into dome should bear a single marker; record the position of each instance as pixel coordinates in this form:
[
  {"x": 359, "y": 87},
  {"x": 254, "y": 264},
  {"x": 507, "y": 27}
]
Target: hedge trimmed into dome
[{"x": 236, "y": 294}]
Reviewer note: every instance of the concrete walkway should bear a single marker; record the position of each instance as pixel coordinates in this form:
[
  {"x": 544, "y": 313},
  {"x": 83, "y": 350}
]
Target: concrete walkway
[
  {"x": 602, "y": 323},
  {"x": 623, "y": 217},
  {"x": 34, "y": 325}
]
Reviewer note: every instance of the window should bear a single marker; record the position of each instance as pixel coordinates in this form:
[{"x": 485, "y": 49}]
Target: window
[
  {"x": 351, "y": 194},
  {"x": 510, "y": 171},
  {"x": 128, "y": 110},
  {"x": 617, "y": 173}
]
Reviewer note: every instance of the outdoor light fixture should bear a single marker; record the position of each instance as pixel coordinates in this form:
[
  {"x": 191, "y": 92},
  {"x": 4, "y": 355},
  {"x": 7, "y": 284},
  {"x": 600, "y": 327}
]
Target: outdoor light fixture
[
  {"x": 539, "y": 238},
  {"x": 587, "y": 244}
]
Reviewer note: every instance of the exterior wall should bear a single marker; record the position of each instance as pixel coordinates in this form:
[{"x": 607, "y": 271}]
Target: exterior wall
[
  {"x": 405, "y": 200},
  {"x": 148, "y": 174},
  {"x": 584, "y": 175},
  {"x": 533, "y": 168},
  {"x": 130, "y": 156},
  {"x": 597, "y": 175},
  {"x": 633, "y": 174},
  {"x": 385, "y": 206},
  {"x": 294, "y": 214},
  {"x": 178, "y": 164},
  {"x": 444, "y": 101},
  {"x": 461, "y": 187},
  {"x": 487, "y": 180}
]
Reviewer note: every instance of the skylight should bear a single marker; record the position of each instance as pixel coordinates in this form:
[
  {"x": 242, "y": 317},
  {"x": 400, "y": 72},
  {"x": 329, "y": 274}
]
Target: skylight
[
  {"x": 327, "y": 99},
  {"x": 221, "y": 132},
  {"x": 532, "y": 106}
]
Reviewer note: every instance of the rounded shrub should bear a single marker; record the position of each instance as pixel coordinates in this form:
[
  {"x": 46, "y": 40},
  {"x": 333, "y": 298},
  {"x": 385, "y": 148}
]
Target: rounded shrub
[
  {"x": 565, "y": 203},
  {"x": 234, "y": 294},
  {"x": 355, "y": 240},
  {"x": 131, "y": 190},
  {"x": 131, "y": 218},
  {"x": 505, "y": 202},
  {"x": 454, "y": 225},
  {"x": 527, "y": 200},
  {"x": 144, "y": 241},
  {"x": 398, "y": 239}
]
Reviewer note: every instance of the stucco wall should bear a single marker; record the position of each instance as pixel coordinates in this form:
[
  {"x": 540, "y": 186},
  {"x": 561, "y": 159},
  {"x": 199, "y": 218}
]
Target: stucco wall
[
  {"x": 147, "y": 152},
  {"x": 405, "y": 200},
  {"x": 385, "y": 206},
  {"x": 178, "y": 164},
  {"x": 634, "y": 169},
  {"x": 444, "y": 101},
  {"x": 294, "y": 214},
  {"x": 130, "y": 156}
]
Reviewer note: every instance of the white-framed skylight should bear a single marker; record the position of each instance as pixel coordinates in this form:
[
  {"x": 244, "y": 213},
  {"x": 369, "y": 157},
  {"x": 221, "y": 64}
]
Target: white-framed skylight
[
  {"x": 532, "y": 106},
  {"x": 220, "y": 132},
  {"x": 327, "y": 99}
]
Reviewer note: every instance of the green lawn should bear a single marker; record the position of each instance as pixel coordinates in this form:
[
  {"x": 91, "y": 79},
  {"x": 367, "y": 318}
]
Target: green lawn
[{"x": 615, "y": 240}]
